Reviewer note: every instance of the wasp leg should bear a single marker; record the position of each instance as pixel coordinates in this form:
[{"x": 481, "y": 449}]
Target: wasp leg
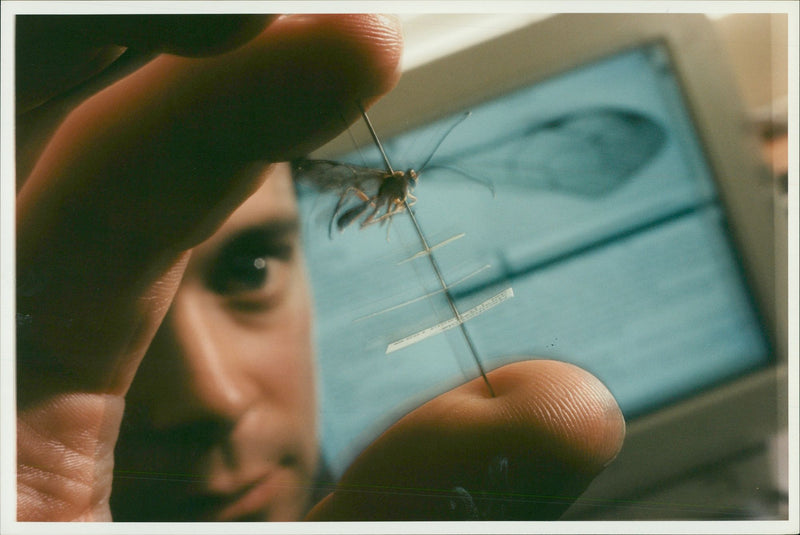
[
  {"x": 391, "y": 210},
  {"x": 370, "y": 219},
  {"x": 388, "y": 228},
  {"x": 348, "y": 217},
  {"x": 361, "y": 195},
  {"x": 389, "y": 216}
]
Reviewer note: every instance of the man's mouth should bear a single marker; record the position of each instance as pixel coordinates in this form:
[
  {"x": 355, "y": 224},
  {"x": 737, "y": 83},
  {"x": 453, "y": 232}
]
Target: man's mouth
[{"x": 253, "y": 501}]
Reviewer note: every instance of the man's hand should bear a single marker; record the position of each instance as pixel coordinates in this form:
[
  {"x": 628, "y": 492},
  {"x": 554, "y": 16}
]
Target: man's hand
[
  {"x": 132, "y": 178},
  {"x": 525, "y": 454}
]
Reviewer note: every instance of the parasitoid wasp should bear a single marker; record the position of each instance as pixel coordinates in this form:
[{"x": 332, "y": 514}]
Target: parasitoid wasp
[{"x": 369, "y": 194}]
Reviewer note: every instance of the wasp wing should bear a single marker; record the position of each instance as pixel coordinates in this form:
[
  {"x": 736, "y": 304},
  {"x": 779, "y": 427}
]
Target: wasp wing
[
  {"x": 328, "y": 175},
  {"x": 345, "y": 188}
]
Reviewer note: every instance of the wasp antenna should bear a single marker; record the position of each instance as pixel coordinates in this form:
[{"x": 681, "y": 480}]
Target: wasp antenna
[
  {"x": 480, "y": 180},
  {"x": 439, "y": 144}
]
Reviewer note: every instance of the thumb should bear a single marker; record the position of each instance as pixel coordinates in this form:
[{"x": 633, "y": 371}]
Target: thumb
[{"x": 527, "y": 453}]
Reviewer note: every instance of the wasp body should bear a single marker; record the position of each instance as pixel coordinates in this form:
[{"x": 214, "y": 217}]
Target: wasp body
[
  {"x": 378, "y": 194},
  {"x": 369, "y": 195}
]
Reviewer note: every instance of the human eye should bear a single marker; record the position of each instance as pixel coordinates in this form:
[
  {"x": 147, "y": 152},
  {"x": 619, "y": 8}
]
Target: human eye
[{"x": 252, "y": 270}]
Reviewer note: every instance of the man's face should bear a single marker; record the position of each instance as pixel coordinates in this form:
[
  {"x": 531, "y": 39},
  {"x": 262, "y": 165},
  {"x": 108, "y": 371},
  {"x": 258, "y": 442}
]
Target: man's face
[{"x": 220, "y": 421}]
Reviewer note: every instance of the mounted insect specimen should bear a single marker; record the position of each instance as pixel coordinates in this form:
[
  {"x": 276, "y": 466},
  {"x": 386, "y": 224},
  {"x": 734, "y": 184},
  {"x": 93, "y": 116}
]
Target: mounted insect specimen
[
  {"x": 367, "y": 194},
  {"x": 378, "y": 194}
]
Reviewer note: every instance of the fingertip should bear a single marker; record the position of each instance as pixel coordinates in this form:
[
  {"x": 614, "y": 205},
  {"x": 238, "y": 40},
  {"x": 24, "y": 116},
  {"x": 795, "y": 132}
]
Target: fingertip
[
  {"x": 385, "y": 34},
  {"x": 572, "y": 411},
  {"x": 367, "y": 47}
]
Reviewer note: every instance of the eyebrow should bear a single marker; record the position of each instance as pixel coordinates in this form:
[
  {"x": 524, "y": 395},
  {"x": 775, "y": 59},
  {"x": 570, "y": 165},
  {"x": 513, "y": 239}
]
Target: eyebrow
[
  {"x": 281, "y": 227},
  {"x": 272, "y": 233}
]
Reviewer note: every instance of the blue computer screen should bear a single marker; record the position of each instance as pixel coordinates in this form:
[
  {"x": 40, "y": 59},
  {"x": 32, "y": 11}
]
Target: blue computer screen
[{"x": 589, "y": 197}]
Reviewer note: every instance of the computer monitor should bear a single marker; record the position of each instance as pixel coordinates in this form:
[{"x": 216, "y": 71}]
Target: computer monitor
[{"x": 607, "y": 179}]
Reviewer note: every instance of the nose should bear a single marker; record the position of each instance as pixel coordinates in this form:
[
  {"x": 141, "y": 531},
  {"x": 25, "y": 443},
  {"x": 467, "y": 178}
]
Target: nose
[{"x": 193, "y": 365}]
